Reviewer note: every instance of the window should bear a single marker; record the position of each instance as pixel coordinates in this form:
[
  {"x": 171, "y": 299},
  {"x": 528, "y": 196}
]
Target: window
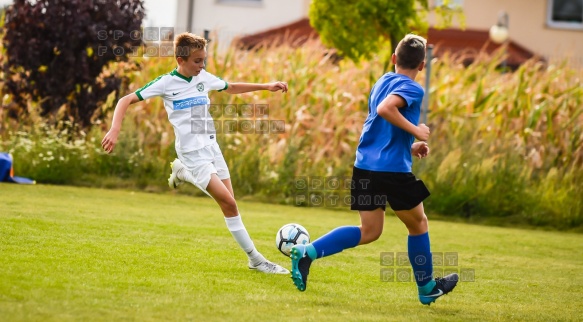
[{"x": 566, "y": 14}]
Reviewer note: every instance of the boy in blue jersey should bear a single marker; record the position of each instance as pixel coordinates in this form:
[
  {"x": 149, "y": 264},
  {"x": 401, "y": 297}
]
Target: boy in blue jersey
[
  {"x": 382, "y": 173},
  {"x": 200, "y": 161}
]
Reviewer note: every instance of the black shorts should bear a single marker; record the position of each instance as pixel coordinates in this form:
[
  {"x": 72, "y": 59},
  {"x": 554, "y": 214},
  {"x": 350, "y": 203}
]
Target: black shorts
[{"x": 371, "y": 190}]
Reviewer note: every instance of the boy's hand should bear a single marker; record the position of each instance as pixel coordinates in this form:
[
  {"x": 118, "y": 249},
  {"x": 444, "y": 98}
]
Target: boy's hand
[
  {"x": 276, "y": 86},
  {"x": 109, "y": 141},
  {"x": 420, "y": 149},
  {"x": 422, "y": 132}
]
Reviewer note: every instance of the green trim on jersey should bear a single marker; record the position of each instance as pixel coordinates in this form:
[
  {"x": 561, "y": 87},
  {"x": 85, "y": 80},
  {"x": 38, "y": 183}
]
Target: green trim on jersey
[
  {"x": 226, "y": 85},
  {"x": 176, "y": 73},
  {"x": 148, "y": 85}
]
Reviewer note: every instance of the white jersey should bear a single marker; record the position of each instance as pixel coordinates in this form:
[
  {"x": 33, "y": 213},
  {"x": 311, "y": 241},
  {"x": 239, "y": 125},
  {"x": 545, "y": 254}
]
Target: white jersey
[{"x": 187, "y": 102}]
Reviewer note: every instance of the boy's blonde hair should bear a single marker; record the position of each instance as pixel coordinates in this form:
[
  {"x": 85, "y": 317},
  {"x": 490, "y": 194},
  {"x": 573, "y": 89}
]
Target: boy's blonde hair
[
  {"x": 411, "y": 51},
  {"x": 186, "y": 42}
]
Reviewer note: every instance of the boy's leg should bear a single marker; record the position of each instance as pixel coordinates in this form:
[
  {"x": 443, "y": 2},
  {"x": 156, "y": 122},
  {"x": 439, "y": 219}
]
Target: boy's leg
[
  {"x": 420, "y": 256},
  {"x": 334, "y": 242},
  {"x": 341, "y": 238},
  {"x": 235, "y": 224},
  {"x": 227, "y": 183},
  {"x": 204, "y": 176},
  {"x": 371, "y": 225},
  {"x": 365, "y": 199},
  {"x": 217, "y": 189},
  {"x": 224, "y": 197},
  {"x": 418, "y": 245}
]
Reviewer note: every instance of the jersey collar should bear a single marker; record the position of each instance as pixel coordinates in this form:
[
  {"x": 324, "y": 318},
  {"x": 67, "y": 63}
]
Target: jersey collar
[{"x": 176, "y": 73}]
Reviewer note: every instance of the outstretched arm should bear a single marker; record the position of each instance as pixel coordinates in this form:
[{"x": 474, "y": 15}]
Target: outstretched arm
[
  {"x": 110, "y": 139},
  {"x": 238, "y": 88},
  {"x": 389, "y": 110}
]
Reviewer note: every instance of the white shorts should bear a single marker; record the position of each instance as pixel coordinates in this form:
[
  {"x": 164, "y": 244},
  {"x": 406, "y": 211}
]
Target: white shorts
[{"x": 202, "y": 163}]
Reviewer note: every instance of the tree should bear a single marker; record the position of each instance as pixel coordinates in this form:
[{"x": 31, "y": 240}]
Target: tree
[
  {"x": 56, "y": 52},
  {"x": 360, "y": 28}
]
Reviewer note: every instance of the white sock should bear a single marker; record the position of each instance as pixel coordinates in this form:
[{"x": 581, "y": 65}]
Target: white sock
[
  {"x": 182, "y": 172},
  {"x": 237, "y": 229},
  {"x": 185, "y": 175}
]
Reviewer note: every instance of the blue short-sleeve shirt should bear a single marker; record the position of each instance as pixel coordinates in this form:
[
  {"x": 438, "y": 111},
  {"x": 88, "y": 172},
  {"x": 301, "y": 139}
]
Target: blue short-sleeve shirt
[{"x": 383, "y": 146}]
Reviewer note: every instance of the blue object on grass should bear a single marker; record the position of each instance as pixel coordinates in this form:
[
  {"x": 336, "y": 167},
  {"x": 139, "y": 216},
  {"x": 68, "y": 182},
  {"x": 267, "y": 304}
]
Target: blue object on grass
[{"x": 7, "y": 171}]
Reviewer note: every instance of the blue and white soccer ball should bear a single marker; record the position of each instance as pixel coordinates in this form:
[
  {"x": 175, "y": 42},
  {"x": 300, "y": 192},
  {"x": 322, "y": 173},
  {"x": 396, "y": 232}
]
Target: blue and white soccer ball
[{"x": 290, "y": 235}]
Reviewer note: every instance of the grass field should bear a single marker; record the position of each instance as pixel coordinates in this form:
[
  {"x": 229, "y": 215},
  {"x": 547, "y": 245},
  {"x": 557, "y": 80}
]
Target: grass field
[{"x": 70, "y": 254}]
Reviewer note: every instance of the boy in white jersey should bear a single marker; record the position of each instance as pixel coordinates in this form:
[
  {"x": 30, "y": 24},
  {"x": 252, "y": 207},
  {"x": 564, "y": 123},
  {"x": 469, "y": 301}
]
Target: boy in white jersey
[{"x": 200, "y": 161}]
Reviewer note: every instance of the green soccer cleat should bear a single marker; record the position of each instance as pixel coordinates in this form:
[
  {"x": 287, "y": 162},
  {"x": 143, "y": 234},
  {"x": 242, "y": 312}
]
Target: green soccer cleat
[
  {"x": 442, "y": 286},
  {"x": 300, "y": 266}
]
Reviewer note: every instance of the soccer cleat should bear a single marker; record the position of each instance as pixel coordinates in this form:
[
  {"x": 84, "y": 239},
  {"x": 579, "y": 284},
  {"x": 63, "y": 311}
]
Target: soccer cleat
[
  {"x": 269, "y": 268},
  {"x": 300, "y": 266},
  {"x": 174, "y": 181},
  {"x": 443, "y": 285}
]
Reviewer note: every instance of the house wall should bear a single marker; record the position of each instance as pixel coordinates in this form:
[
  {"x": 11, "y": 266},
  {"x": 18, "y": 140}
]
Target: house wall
[
  {"x": 231, "y": 18},
  {"x": 159, "y": 13},
  {"x": 527, "y": 21},
  {"x": 527, "y": 26}
]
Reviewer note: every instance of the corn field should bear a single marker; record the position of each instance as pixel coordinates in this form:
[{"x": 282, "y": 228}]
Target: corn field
[{"x": 507, "y": 145}]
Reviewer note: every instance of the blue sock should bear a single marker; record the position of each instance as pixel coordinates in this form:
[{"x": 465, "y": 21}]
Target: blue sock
[
  {"x": 335, "y": 241},
  {"x": 422, "y": 261}
]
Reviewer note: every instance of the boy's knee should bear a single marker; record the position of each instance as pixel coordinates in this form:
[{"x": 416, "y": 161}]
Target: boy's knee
[
  {"x": 419, "y": 226},
  {"x": 373, "y": 237},
  {"x": 423, "y": 221},
  {"x": 370, "y": 234},
  {"x": 229, "y": 206}
]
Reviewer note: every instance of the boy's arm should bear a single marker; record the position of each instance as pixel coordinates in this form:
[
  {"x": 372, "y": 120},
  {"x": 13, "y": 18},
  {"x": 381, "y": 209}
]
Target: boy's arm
[
  {"x": 238, "y": 88},
  {"x": 389, "y": 110},
  {"x": 110, "y": 139}
]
